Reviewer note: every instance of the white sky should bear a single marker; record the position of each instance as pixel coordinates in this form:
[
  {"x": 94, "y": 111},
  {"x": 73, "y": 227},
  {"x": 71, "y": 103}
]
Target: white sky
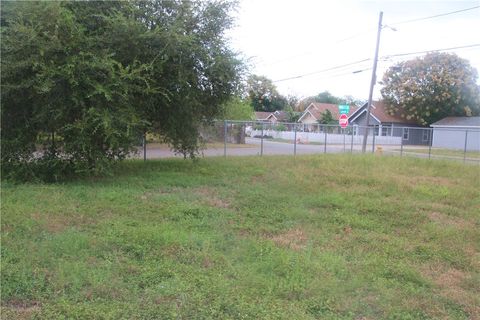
[{"x": 283, "y": 39}]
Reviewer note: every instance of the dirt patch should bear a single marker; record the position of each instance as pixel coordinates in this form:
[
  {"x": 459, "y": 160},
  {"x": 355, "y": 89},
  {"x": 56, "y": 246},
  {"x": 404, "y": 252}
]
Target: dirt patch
[
  {"x": 211, "y": 198},
  {"x": 20, "y": 309},
  {"x": 258, "y": 179},
  {"x": 56, "y": 223},
  {"x": 446, "y": 220},
  {"x": 438, "y": 181},
  {"x": 172, "y": 250},
  {"x": 208, "y": 196},
  {"x": 165, "y": 299},
  {"x": 207, "y": 263},
  {"x": 424, "y": 180},
  {"x": 295, "y": 239},
  {"x": 474, "y": 255},
  {"x": 449, "y": 283},
  {"x": 450, "y": 278}
]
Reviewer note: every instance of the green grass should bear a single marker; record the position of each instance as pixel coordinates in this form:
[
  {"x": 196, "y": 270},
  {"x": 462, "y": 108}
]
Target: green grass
[
  {"x": 444, "y": 152},
  {"x": 321, "y": 237}
]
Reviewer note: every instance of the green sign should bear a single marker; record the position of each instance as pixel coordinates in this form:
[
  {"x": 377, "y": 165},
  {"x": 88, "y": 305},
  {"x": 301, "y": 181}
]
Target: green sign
[{"x": 343, "y": 108}]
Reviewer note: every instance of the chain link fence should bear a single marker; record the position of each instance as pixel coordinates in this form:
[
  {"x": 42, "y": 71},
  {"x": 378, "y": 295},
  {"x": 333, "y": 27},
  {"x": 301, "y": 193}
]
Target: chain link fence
[{"x": 248, "y": 138}]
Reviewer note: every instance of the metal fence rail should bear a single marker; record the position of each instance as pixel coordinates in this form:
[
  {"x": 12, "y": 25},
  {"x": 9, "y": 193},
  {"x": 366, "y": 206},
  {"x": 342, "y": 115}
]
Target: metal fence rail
[{"x": 238, "y": 138}]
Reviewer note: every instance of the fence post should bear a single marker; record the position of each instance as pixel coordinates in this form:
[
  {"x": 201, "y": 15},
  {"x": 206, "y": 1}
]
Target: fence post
[
  {"x": 465, "y": 147},
  {"x": 373, "y": 140},
  {"x": 295, "y": 140},
  {"x": 261, "y": 141},
  {"x": 225, "y": 131},
  {"x": 351, "y": 142},
  {"x": 430, "y": 144},
  {"x": 144, "y": 146},
  {"x": 325, "y": 143},
  {"x": 401, "y": 144}
]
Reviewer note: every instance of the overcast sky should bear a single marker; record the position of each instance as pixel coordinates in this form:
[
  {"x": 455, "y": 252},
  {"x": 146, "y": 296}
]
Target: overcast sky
[{"x": 283, "y": 39}]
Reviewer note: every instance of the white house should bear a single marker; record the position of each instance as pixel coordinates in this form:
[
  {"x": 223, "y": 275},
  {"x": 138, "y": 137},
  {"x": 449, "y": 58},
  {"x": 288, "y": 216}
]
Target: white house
[
  {"x": 314, "y": 112},
  {"x": 457, "y": 133}
]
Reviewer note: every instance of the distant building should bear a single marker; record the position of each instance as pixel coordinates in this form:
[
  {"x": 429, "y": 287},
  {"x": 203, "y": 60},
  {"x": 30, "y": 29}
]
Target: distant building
[
  {"x": 313, "y": 113},
  {"x": 457, "y": 133},
  {"x": 273, "y": 117},
  {"x": 384, "y": 124}
]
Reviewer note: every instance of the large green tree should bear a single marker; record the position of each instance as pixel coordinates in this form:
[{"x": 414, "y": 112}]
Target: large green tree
[
  {"x": 238, "y": 109},
  {"x": 432, "y": 87},
  {"x": 86, "y": 79},
  {"x": 327, "y": 118},
  {"x": 327, "y": 97},
  {"x": 264, "y": 95}
]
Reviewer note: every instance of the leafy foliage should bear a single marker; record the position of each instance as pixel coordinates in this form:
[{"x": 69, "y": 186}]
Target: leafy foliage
[
  {"x": 327, "y": 97},
  {"x": 238, "y": 109},
  {"x": 81, "y": 81},
  {"x": 430, "y": 88},
  {"x": 327, "y": 118},
  {"x": 263, "y": 94},
  {"x": 292, "y": 115}
]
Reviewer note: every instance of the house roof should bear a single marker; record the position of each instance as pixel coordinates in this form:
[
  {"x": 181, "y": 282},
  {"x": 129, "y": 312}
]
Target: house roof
[
  {"x": 262, "y": 115},
  {"x": 458, "y": 122},
  {"x": 280, "y": 115},
  {"x": 379, "y": 111},
  {"x": 316, "y": 109}
]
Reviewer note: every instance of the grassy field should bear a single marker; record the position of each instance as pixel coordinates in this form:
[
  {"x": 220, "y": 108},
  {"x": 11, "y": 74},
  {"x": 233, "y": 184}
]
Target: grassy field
[
  {"x": 321, "y": 237},
  {"x": 444, "y": 152}
]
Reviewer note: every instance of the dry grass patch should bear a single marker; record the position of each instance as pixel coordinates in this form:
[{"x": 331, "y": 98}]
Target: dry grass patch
[
  {"x": 211, "y": 198},
  {"x": 438, "y": 181},
  {"x": 56, "y": 223},
  {"x": 450, "y": 283},
  {"x": 449, "y": 221},
  {"x": 413, "y": 180},
  {"x": 17, "y": 309},
  {"x": 295, "y": 239}
]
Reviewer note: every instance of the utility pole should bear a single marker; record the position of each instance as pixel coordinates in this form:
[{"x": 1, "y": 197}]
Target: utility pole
[{"x": 372, "y": 83}]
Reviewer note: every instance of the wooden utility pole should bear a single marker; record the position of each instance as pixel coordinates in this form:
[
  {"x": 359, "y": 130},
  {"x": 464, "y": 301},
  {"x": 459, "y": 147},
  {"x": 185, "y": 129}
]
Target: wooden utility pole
[{"x": 372, "y": 84}]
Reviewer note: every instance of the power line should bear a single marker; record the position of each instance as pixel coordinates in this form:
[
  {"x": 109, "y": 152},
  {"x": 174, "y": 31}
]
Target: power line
[
  {"x": 418, "y": 52},
  {"x": 435, "y": 16},
  {"x": 383, "y": 58},
  {"x": 324, "y": 70},
  {"x": 343, "y": 74},
  {"x": 370, "y": 30}
]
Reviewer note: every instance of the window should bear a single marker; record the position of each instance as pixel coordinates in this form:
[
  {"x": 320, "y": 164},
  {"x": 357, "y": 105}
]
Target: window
[
  {"x": 425, "y": 136},
  {"x": 387, "y": 131},
  {"x": 405, "y": 133},
  {"x": 355, "y": 129}
]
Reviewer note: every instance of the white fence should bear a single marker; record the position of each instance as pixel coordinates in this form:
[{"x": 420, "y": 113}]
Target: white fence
[{"x": 321, "y": 137}]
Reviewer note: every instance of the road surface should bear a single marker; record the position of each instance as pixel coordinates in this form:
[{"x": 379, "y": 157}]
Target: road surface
[{"x": 253, "y": 147}]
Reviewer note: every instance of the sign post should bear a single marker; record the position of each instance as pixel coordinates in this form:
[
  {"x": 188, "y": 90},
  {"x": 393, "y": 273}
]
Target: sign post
[
  {"x": 343, "y": 108},
  {"x": 343, "y": 121}
]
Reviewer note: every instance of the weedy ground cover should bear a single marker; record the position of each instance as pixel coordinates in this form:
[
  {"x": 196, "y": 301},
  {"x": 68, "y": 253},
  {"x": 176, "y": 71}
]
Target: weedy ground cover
[{"x": 318, "y": 237}]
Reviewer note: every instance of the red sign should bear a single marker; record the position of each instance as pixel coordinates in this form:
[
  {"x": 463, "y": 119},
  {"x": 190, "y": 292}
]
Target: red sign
[{"x": 343, "y": 121}]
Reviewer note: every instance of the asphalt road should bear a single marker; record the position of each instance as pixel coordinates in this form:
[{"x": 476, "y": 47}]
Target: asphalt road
[{"x": 253, "y": 147}]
